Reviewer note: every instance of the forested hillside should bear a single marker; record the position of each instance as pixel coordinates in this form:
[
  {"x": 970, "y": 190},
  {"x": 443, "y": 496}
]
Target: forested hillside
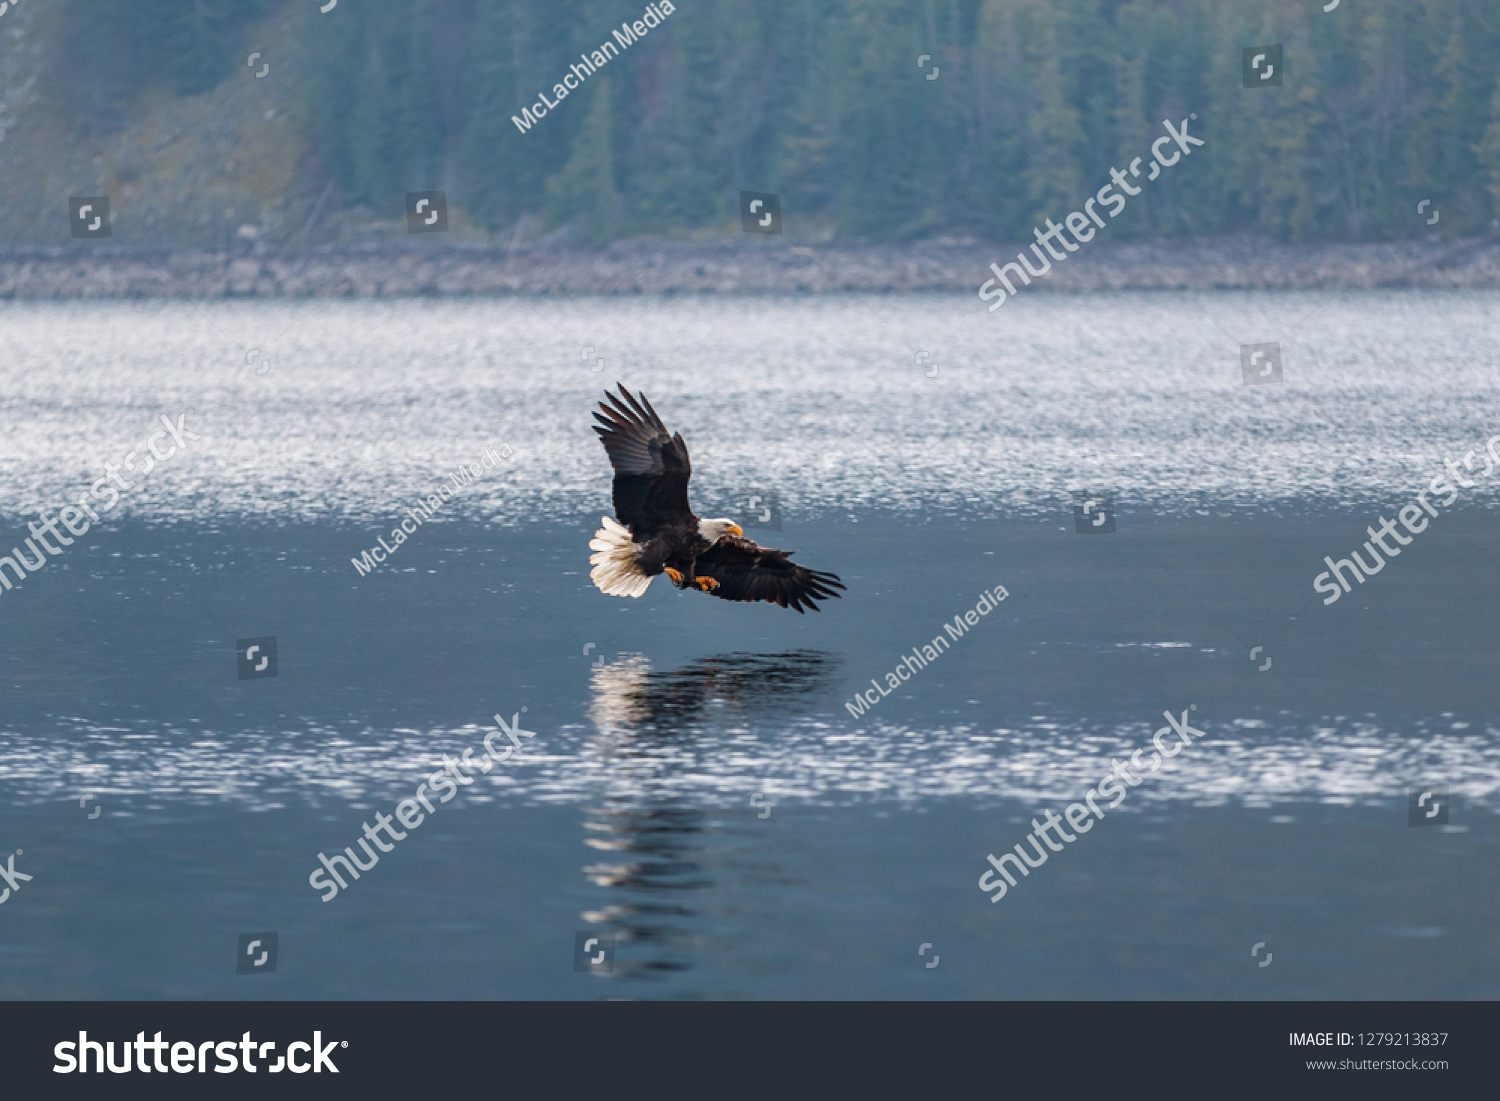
[{"x": 1384, "y": 103}]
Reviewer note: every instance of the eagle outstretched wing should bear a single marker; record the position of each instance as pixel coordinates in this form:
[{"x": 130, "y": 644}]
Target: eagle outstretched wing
[
  {"x": 651, "y": 466},
  {"x": 747, "y": 571}
]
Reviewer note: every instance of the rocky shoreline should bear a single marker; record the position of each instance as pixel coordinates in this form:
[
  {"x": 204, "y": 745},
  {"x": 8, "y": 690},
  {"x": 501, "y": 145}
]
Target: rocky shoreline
[{"x": 760, "y": 266}]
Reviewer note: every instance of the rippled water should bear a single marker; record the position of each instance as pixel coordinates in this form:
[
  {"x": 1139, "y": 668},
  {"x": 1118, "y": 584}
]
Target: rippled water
[
  {"x": 823, "y": 760},
  {"x": 365, "y": 404},
  {"x": 696, "y": 783}
]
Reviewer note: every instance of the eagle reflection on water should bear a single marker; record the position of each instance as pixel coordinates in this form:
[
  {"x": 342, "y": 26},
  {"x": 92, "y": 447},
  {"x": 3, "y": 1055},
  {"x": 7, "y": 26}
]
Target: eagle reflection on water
[{"x": 651, "y": 832}]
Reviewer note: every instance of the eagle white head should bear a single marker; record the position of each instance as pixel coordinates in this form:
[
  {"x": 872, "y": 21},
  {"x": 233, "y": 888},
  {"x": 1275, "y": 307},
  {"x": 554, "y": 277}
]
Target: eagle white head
[{"x": 714, "y": 530}]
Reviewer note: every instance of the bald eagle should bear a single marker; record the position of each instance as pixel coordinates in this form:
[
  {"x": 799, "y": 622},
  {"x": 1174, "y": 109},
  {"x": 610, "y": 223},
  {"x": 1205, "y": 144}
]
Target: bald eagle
[{"x": 655, "y": 531}]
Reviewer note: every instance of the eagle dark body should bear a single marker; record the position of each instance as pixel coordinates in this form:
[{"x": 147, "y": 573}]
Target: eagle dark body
[{"x": 652, "y": 469}]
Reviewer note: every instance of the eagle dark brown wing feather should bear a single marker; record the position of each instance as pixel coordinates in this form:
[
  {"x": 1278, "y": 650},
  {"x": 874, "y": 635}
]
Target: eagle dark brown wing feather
[
  {"x": 747, "y": 571},
  {"x": 651, "y": 465}
]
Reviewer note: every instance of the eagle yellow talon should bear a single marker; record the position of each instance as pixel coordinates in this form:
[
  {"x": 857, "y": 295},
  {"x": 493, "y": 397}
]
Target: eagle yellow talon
[
  {"x": 707, "y": 584},
  {"x": 675, "y": 575}
]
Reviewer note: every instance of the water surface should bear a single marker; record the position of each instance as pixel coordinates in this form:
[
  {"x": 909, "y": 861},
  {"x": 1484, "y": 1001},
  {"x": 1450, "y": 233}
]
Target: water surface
[{"x": 696, "y": 785}]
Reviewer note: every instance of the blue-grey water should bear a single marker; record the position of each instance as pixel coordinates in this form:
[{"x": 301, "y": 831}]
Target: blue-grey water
[{"x": 694, "y": 789}]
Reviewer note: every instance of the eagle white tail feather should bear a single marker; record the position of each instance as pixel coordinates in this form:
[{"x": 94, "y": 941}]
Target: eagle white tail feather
[{"x": 616, "y": 561}]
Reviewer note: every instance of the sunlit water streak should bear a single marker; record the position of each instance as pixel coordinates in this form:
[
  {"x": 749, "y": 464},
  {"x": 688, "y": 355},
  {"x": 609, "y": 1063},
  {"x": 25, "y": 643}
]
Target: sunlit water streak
[
  {"x": 368, "y": 404},
  {"x": 719, "y": 758}
]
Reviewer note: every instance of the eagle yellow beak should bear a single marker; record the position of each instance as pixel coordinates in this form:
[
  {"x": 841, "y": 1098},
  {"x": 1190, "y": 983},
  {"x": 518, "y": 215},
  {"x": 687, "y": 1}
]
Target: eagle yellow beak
[{"x": 735, "y": 529}]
